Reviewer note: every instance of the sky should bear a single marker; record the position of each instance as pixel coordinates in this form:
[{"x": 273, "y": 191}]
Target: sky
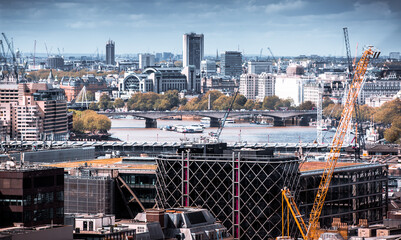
[{"x": 288, "y": 27}]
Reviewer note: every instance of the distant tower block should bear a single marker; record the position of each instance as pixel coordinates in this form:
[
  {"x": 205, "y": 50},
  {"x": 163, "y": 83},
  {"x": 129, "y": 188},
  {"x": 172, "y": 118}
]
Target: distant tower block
[
  {"x": 110, "y": 53},
  {"x": 193, "y": 50}
]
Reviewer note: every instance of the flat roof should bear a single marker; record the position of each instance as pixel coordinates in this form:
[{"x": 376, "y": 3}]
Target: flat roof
[
  {"x": 313, "y": 166},
  {"x": 105, "y": 163}
]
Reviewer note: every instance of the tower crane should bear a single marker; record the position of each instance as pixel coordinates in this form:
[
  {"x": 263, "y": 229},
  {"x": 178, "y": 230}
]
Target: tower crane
[
  {"x": 359, "y": 141},
  {"x": 310, "y": 231},
  {"x": 3, "y": 57},
  {"x": 14, "y": 59},
  {"x": 278, "y": 66}
]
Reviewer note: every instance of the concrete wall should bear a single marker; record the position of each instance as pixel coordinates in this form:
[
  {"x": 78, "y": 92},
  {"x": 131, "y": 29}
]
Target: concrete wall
[{"x": 59, "y": 155}]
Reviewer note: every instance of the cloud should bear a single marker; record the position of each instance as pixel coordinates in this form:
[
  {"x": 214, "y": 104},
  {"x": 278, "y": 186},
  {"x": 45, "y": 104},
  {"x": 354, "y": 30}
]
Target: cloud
[
  {"x": 136, "y": 16},
  {"x": 284, "y": 6}
]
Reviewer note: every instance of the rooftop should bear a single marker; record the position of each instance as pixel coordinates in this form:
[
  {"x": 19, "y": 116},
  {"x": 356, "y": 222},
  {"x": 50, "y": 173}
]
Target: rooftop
[
  {"x": 106, "y": 163},
  {"x": 312, "y": 166}
]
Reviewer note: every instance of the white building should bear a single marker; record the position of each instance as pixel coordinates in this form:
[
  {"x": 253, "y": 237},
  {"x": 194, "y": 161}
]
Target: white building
[
  {"x": 146, "y": 60},
  {"x": 248, "y": 85},
  {"x": 266, "y": 86},
  {"x": 257, "y": 87},
  {"x": 291, "y": 87}
]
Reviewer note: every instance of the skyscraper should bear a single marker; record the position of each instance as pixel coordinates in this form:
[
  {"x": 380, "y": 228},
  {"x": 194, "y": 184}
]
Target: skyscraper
[
  {"x": 193, "y": 50},
  {"x": 110, "y": 57},
  {"x": 231, "y": 63}
]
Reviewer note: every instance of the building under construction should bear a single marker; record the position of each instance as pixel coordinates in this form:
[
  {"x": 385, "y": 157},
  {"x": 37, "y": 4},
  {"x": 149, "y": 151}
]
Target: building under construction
[
  {"x": 243, "y": 189},
  {"x": 357, "y": 191}
]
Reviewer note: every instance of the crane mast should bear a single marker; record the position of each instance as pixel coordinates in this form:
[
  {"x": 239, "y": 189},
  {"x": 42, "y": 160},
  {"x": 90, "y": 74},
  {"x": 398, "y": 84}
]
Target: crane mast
[{"x": 310, "y": 231}]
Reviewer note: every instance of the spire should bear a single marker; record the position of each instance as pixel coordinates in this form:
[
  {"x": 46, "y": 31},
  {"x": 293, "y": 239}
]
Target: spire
[
  {"x": 50, "y": 78},
  {"x": 217, "y": 54}
]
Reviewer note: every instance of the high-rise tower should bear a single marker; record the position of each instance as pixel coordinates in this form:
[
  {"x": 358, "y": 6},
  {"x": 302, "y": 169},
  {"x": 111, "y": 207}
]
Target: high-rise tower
[
  {"x": 193, "y": 50},
  {"x": 110, "y": 53}
]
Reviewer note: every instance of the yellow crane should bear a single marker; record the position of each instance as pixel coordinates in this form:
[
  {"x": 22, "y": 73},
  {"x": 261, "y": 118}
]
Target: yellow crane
[{"x": 310, "y": 231}]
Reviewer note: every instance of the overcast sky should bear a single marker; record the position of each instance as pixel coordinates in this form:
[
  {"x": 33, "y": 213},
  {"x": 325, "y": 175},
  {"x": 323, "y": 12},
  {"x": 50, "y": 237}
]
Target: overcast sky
[{"x": 288, "y": 27}]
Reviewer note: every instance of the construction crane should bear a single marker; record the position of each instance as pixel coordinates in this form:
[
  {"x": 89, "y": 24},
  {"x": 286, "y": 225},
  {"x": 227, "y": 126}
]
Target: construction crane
[
  {"x": 3, "y": 57},
  {"x": 14, "y": 59},
  {"x": 359, "y": 142},
  {"x": 310, "y": 231},
  {"x": 34, "y": 54},
  {"x": 216, "y": 135},
  {"x": 47, "y": 51},
  {"x": 278, "y": 66}
]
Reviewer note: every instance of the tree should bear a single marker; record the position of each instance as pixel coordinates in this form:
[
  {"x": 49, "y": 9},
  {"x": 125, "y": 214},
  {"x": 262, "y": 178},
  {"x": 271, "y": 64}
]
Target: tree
[
  {"x": 307, "y": 105},
  {"x": 270, "y": 102},
  {"x": 222, "y": 103},
  {"x": 326, "y": 102},
  {"x": 119, "y": 103},
  {"x": 388, "y": 111},
  {"x": 249, "y": 105},
  {"x": 104, "y": 101},
  {"x": 333, "y": 111},
  {"x": 239, "y": 102},
  {"x": 93, "y": 106},
  {"x": 103, "y": 123},
  {"x": 89, "y": 120},
  {"x": 393, "y": 134}
]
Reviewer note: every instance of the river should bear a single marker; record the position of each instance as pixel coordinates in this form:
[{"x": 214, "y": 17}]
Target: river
[{"x": 133, "y": 130}]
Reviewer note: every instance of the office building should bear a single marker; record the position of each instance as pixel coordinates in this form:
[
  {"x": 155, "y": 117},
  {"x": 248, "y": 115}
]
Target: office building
[
  {"x": 110, "y": 53},
  {"x": 193, "y": 79},
  {"x": 248, "y": 85},
  {"x": 40, "y": 112},
  {"x": 158, "y": 80},
  {"x": 224, "y": 84},
  {"x": 259, "y": 67},
  {"x": 55, "y": 62},
  {"x": 231, "y": 63},
  {"x": 208, "y": 68},
  {"x": 193, "y": 50},
  {"x": 146, "y": 60},
  {"x": 257, "y": 87},
  {"x": 31, "y": 195},
  {"x": 266, "y": 85}
]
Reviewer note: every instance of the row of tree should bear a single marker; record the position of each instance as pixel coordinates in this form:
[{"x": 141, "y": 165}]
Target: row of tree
[{"x": 388, "y": 115}]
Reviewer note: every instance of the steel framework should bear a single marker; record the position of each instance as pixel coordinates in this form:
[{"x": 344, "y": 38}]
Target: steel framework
[
  {"x": 356, "y": 192},
  {"x": 243, "y": 192}
]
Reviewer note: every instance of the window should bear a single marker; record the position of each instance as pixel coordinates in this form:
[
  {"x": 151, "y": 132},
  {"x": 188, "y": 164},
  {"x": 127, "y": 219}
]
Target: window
[
  {"x": 90, "y": 226},
  {"x": 85, "y": 226}
]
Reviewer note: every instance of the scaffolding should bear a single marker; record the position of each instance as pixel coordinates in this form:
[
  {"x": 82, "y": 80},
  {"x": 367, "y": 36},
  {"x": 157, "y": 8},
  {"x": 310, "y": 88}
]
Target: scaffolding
[{"x": 243, "y": 192}]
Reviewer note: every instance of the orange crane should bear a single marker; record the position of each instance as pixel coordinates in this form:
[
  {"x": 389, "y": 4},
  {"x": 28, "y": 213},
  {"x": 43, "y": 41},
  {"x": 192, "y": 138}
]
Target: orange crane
[{"x": 310, "y": 231}]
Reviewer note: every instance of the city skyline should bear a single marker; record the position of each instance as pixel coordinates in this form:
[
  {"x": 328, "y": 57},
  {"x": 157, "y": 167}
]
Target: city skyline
[{"x": 289, "y": 28}]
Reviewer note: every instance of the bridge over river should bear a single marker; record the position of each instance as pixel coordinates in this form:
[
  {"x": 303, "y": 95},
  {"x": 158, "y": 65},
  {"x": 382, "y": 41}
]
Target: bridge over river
[{"x": 300, "y": 118}]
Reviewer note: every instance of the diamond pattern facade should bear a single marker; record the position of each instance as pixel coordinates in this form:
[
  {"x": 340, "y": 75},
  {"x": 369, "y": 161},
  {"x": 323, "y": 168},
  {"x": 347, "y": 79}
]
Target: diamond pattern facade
[{"x": 242, "y": 192}]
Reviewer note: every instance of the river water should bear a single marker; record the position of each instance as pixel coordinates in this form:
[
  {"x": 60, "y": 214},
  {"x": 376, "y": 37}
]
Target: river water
[{"x": 133, "y": 130}]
